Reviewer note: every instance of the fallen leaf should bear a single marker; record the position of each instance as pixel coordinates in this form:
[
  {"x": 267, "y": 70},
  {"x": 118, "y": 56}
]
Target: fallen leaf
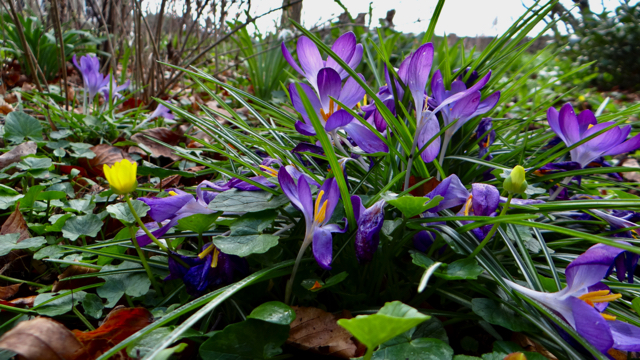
[
  {"x": 15, "y": 223},
  {"x": 5, "y": 107},
  {"x": 619, "y": 355},
  {"x": 15, "y": 155},
  {"x": 119, "y": 324},
  {"x": 11, "y": 98},
  {"x": 317, "y": 331},
  {"x": 27, "y": 87},
  {"x": 631, "y": 176},
  {"x": 163, "y": 134},
  {"x": 6, "y": 292},
  {"x": 24, "y": 302},
  {"x": 74, "y": 270},
  {"x": 42, "y": 339},
  {"x": 105, "y": 154},
  {"x": 169, "y": 181},
  {"x": 529, "y": 345}
]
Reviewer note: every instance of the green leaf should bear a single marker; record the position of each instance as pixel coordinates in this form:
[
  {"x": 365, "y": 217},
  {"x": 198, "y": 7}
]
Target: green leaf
[
  {"x": 51, "y": 252},
  {"x": 392, "y": 320},
  {"x": 467, "y": 357},
  {"x": 8, "y": 201},
  {"x": 33, "y": 162},
  {"x": 19, "y": 125},
  {"x": 148, "y": 169},
  {"x": 30, "y": 196},
  {"x": 10, "y": 242},
  {"x": 81, "y": 150},
  {"x": 81, "y": 206},
  {"x": 245, "y": 245},
  {"x": 273, "y": 312},
  {"x": 250, "y": 339},
  {"x": 132, "y": 284},
  {"x": 51, "y": 195},
  {"x": 198, "y": 223},
  {"x": 92, "y": 306},
  {"x": 235, "y": 200},
  {"x": 122, "y": 212},
  {"x": 411, "y": 206},
  {"x": 458, "y": 270},
  {"x": 58, "y": 306},
  {"x": 499, "y": 314},
  {"x": 57, "y": 222},
  {"x": 252, "y": 223},
  {"x": 418, "y": 349},
  {"x": 5, "y": 190},
  {"x": 87, "y": 225},
  {"x": 636, "y": 305},
  {"x": 146, "y": 343},
  {"x": 508, "y": 347}
]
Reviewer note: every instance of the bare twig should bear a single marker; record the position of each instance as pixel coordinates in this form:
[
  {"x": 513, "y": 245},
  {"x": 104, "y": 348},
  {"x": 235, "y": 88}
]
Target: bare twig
[
  {"x": 106, "y": 29},
  {"x": 63, "y": 61}
]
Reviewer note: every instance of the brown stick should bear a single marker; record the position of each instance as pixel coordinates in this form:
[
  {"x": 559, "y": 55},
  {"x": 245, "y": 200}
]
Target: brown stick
[
  {"x": 58, "y": 29},
  {"x": 112, "y": 59}
]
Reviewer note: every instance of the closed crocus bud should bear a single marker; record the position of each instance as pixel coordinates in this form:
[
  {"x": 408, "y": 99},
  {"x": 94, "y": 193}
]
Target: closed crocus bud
[{"x": 516, "y": 183}]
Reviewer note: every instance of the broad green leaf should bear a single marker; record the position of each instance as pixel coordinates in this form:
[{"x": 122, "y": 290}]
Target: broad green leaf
[
  {"x": 10, "y": 242},
  {"x": 411, "y": 206},
  {"x": 132, "y": 284},
  {"x": 30, "y": 197},
  {"x": 393, "y": 319},
  {"x": 235, "y": 200},
  {"x": 19, "y": 125},
  {"x": 33, "y": 162},
  {"x": 122, "y": 212},
  {"x": 418, "y": 349},
  {"x": 51, "y": 195},
  {"x": 146, "y": 343},
  {"x": 273, "y": 312},
  {"x": 249, "y": 339},
  {"x": 57, "y": 222},
  {"x": 93, "y": 306},
  {"x": 51, "y": 252},
  {"x": 58, "y": 306},
  {"x": 5, "y": 190},
  {"x": 499, "y": 314},
  {"x": 252, "y": 223},
  {"x": 87, "y": 225},
  {"x": 80, "y": 206},
  {"x": 245, "y": 245},
  {"x": 198, "y": 223},
  {"x": 8, "y": 201},
  {"x": 81, "y": 150},
  {"x": 636, "y": 305}
]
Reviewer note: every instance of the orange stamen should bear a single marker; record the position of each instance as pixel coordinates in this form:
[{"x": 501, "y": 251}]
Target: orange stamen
[{"x": 467, "y": 206}]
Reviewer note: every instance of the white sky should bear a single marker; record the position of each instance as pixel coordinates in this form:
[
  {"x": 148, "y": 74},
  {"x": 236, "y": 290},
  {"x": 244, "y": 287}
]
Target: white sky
[{"x": 462, "y": 17}]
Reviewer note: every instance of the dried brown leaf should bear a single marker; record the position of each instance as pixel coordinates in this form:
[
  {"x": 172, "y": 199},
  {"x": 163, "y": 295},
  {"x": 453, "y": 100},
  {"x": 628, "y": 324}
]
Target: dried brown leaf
[
  {"x": 5, "y": 107},
  {"x": 105, "y": 154},
  {"x": 317, "y": 331},
  {"x": 163, "y": 134},
  {"x": 7, "y": 292},
  {"x": 15, "y": 223},
  {"x": 24, "y": 302},
  {"x": 631, "y": 176},
  {"x": 74, "y": 270},
  {"x": 13, "y": 156},
  {"x": 42, "y": 339}
]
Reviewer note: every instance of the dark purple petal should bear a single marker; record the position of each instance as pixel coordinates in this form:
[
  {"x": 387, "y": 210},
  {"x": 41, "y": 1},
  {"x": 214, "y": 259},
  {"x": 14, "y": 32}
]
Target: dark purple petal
[
  {"x": 453, "y": 192},
  {"x": 305, "y": 129},
  {"x": 306, "y": 147},
  {"x": 585, "y": 119},
  {"x": 344, "y": 47},
  {"x": 560, "y": 166},
  {"x": 487, "y": 104},
  {"x": 515, "y": 201},
  {"x": 423, "y": 240},
  {"x": 166, "y": 207},
  {"x": 591, "y": 325},
  {"x": 358, "y": 208},
  {"x": 176, "y": 270},
  {"x": 296, "y": 100},
  {"x": 592, "y": 266},
  {"x": 196, "y": 279},
  {"x": 338, "y": 119},
  {"x": 245, "y": 186},
  {"x": 329, "y": 85},
  {"x": 485, "y": 199},
  {"x": 429, "y": 130},
  {"x": 626, "y": 337},
  {"x": 438, "y": 91},
  {"x": 366, "y": 139},
  {"x": 323, "y": 247},
  {"x": 418, "y": 74},
  {"x": 368, "y": 235},
  {"x": 289, "y": 58}
]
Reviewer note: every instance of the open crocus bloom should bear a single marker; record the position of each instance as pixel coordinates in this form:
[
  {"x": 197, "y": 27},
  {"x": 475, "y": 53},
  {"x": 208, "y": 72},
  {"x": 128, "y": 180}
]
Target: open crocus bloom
[
  {"x": 109, "y": 86},
  {"x": 483, "y": 201},
  {"x": 331, "y": 116},
  {"x": 316, "y": 216},
  {"x": 210, "y": 268},
  {"x": 311, "y": 61},
  {"x": 571, "y": 129},
  {"x": 627, "y": 261},
  {"x": 581, "y": 303},
  {"x": 369, "y": 225}
]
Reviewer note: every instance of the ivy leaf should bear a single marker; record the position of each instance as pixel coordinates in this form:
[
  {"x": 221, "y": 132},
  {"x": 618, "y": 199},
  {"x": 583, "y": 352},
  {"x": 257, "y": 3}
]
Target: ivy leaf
[
  {"x": 198, "y": 223},
  {"x": 122, "y": 212},
  {"x": 115, "y": 286},
  {"x": 392, "y": 320},
  {"x": 245, "y": 245},
  {"x": 19, "y": 125},
  {"x": 499, "y": 314},
  {"x": 411, "y": 206},
  {"x": 87, "y": 225},
  {"x": 10, "y": 242},
  {"x": 235, "y": 200}
]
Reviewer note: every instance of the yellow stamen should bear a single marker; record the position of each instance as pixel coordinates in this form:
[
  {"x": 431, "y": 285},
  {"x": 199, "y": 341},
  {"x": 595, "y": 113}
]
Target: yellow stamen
[
  {"x": 467, "y": 206},
  {"x": 600, "y": 296},
  {"x": 214, "y": 261},
  {"x": 488, "y": 140},
  {"x": 270, "y": 171},
  {"x": 608, "y": 317},
  {"x": 320, "y": 215},
  {"x": 590, "y": 126},
  {"x": 173, "y": 193},
  {"x": 318, "y": 200},
  {"x": 206, "y": 252},
  {"x": 325, "y": 116}
]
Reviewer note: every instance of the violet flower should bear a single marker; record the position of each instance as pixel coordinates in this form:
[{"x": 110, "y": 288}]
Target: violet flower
[
  {"x": 109, "y": 87},
  {"x": 311, "y": 62},
  {"x": 210, "y": 268},
  {"x": 583, "y": 300},
  {"x": 627, "y": 261},
  {"x": 485, "y": 136},
  {"x": 571, "y": 129},
  {"x": 92, "y": 78},
  {"x": 369, "y": 222},
  {"x": 483, "y": 201}
]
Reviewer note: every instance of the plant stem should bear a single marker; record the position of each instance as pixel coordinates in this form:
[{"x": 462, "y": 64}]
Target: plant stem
[
  {"x": 555, "y": 194},
  {"x": 83, "y": 319},
  {"x": 493, "y": 230},
  {"x": 144, "y": 228},
  {"x": 303, "y": 248},
  {"x": 18, "y": 281},
  {"x": 143, "y": 259}
]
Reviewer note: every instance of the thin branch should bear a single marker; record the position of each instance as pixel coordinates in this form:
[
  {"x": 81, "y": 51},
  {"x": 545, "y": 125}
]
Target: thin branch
[{"x": 63, "y": 58}]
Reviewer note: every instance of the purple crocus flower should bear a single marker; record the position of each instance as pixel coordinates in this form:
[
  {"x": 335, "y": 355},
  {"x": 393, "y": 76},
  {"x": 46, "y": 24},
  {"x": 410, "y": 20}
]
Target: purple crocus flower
[
  {"x": 571, "y": 129},
  {"x": 369, "y": 223},
  {"x": 483, "y": 201},
  {"x": 311, "y": 61},
  {"x": 210, "y": 268},
  {"x": 627, "y": 261},
  {"x": 486, "y": 136},
  {"x": 161, "y": 111},
  {"x": 109, "y": 86},
  {"x": 90, "y": 69},
  {"x": 584, "y": 299},
  {"x": 331, "y": 116},
  {"x": 462, "y": 109},
  {"x": 316, "y": 217}
]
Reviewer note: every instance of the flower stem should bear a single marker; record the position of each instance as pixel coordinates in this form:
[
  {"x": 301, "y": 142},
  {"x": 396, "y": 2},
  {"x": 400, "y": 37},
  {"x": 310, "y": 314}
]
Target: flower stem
[
  {"x": 143, "y": 259},
  {"x": 144, "y": 228},
  {"x": 289, "y": 288},
  {"x": 493, "y": 230},
  {"x": 555, "y": 194}
]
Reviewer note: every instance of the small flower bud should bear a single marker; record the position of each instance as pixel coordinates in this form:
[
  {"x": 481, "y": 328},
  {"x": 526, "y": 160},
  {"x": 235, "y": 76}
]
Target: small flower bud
[{"x": 516, "y": 183}]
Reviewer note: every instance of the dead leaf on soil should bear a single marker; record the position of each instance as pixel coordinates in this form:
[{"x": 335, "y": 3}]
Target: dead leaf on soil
[
  {"x": 74, "y": 270},
  {"x": 163, "y": 134},
  {"x": 105, "y": 154},
  {"x": 15, "y": 223},
  {"x": 529, "y": 345},
  {"x": 42, "y": 339},
  {"x": 15, "y": 155},
  {"x": 631, "y": 176},
  {"x": 7, "y": 292},
  {"x": 317, "y": 331},
  {"x": 24, "y": 302},
  {"x": 11, "y": 98},
  {"x": 5, "y": 107}
]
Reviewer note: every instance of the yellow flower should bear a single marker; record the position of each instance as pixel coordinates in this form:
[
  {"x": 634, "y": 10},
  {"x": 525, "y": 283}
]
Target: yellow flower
[{"x": 122, "y": 176}]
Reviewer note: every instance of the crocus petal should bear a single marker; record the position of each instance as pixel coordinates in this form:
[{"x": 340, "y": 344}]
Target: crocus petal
[
  {"x": 176, "y": 270},
  {"x": 438, "y": 91},
  {"x": 487, "y": 104},
  {"x": 352, "y": 93},
  {"x": 368, "y": 235},
  {"x": 296, "y": 100},
  {"x": 429, "y": 130},
  {"x": 453, "y": 192},
  {"x": 289, "y": 188},
  {"x": 590, "y": 267},
  {"x": 554, "y": 301},
  {"x": 309, "y": 58},
  {"x": 569, "y": 124},
  {"x": 287, "y": 56},
  {"x": 304, "y": 196},
  {"x": 329, "y": 85},
  {"x": 297, "y": 174},
  {"x": 323, "y": 247},
  {"x": 204, "y": 197},
  {"x": 423, "y": 240},
  {"x": 626, "y": 337},
  {"x": 366, "y": 139},
  {"x": 628, "y": 146},
  {"x": 485, "y": 199},
  {"x": 477, "y": 86},
  {"x": 344, "y": 47},
  {"x": 585, "y": 119},
  {"x": 418, "y": 74},
  {"x": 166, "y": 207},
  {"x": 338, "y": 119},
  {"x": 591, "y": 325},
  {"x": 305, "y": 129},
  {"x": 554, "y": 123},
  {"x": 331, "y": 195},
  {"x": 358, "y": 208},
  {"x": 355, "y": 59},
  {"x": 144, "y": 240},
  {"x": 462, "y": 110}
]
